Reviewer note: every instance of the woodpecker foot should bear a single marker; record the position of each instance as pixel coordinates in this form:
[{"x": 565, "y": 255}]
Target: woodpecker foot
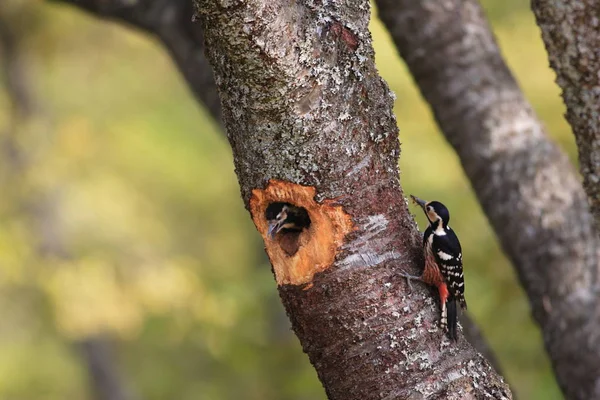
[{"x": 410, "y": 278}]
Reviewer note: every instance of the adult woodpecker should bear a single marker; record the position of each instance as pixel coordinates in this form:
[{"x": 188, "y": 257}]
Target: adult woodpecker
[
  {"x": 284, "y": 217},
  {"x": 443, "y": 263}
]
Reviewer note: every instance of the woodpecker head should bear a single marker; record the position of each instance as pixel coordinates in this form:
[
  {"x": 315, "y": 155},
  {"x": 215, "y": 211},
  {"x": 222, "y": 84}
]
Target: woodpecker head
[
  {"x": 435, "y": 211},
  {"x": 286, "y": 217}
]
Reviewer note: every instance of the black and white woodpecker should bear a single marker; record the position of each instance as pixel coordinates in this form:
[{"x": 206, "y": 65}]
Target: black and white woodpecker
[
  {"x": 284, "y": 217},
  {"x": 443, "y": 263}
]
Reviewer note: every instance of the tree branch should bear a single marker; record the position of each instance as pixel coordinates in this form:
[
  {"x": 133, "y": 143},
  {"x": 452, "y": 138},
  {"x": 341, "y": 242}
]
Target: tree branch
[
  {"x": 526, "y": 185},
  {"x": 572, "y": 37},
  {"x": 309, "y": 119},
  {"x": 171, "y": 22}
]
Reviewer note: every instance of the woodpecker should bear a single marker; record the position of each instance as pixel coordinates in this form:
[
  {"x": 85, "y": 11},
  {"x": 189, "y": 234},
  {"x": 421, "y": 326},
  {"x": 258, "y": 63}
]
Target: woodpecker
[
  {"x": 443, "y": 263},
  {"x": 284, "y": 217}
]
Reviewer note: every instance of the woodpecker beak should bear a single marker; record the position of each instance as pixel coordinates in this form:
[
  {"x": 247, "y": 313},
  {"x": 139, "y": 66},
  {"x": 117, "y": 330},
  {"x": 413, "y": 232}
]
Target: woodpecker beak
[
  {"x": 274, "y": 228},
  {"x": 418, "y": 201}
]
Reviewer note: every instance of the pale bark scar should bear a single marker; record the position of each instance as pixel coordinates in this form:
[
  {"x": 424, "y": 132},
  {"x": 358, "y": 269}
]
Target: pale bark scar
[{"x": 317, "y": 245}]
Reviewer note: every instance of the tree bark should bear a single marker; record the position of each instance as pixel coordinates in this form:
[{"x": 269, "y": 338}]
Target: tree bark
[
  {"x": 526, "y": 185},
  {"x": 310, "y": 122},
  {"x": 571, "y": 32}
]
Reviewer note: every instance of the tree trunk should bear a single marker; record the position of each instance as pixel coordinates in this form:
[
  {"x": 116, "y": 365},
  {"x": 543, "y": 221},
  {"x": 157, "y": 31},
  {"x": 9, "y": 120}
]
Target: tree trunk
[
  {"x": 571, "y": 32},
  {"x": 105, "y": 376},
  {"x": 310, "y": 123},
  {"x": 526, "y": 185}
]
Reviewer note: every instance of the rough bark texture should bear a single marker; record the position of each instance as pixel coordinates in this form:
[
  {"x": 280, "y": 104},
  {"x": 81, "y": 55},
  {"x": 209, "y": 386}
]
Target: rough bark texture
[
  {"x": 526, "y": 185},
  {"x": 171, "y": 22},
  {"x": 303, "y": 103},
  {"x": 198, "y": 74},
  {"x": 571, "y": 32},
  {"x": 107, "y": 382}
]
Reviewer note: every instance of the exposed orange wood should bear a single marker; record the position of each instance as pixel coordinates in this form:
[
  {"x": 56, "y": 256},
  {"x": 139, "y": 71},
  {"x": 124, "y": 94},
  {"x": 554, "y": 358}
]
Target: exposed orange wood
[{"x": 296, "y": 258}]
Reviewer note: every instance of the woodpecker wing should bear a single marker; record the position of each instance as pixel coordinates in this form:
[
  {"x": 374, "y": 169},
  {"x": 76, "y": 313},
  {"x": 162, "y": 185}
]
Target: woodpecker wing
[
  {"x": 426, "y": 234},
  {"x": 448, "y": 255}
]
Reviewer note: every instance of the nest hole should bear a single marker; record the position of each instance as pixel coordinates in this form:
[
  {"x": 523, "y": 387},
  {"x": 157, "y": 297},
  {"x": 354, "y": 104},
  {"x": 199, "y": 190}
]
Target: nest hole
[
  {"x": 287, "y": 224},
  {"x": 310, "y": 244}
]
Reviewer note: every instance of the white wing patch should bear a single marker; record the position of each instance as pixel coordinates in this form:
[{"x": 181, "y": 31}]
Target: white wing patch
[{"x": 444, "y": 256}]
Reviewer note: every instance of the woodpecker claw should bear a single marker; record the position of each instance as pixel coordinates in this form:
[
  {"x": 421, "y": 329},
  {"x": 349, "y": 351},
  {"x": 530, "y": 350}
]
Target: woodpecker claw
[{"x": 409, "y": 278}]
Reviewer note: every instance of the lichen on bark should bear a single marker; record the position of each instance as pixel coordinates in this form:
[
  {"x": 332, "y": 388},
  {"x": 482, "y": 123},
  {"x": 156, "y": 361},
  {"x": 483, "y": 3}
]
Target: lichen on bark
[{"x": 571, "y": 32}]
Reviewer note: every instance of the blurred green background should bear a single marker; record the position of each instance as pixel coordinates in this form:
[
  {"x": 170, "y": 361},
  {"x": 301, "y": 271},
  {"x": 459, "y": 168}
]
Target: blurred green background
[{"x": 120, "y": 215}]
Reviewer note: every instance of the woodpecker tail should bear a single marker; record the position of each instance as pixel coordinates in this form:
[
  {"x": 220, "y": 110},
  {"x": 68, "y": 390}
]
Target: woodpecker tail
[
  {"x": 452, "y": 320},
  {"x": 461, "y": 300}
]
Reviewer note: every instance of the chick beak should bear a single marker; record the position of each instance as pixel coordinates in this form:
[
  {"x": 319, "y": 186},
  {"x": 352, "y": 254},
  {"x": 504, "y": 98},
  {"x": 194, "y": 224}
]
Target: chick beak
[
  {"x": 274, "y": 228},
  {"x": 419, "y": 201}
]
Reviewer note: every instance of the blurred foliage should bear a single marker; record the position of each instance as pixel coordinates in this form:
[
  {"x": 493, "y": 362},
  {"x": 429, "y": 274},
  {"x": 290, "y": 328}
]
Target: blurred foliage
[{"x": 125, "y": 218}]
